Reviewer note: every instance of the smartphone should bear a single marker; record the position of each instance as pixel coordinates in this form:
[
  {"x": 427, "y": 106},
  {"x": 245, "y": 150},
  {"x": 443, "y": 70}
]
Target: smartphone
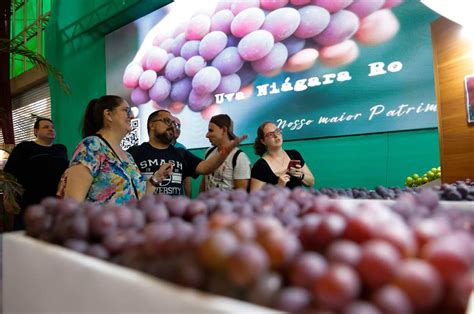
[{"x": 293, "y": 164}]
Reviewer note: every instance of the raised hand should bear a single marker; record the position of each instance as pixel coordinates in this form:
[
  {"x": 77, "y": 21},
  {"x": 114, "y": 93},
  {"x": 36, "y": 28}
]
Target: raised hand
[
  {"x": 226, "y": 149},
  {"x": 165, "y": 171}
]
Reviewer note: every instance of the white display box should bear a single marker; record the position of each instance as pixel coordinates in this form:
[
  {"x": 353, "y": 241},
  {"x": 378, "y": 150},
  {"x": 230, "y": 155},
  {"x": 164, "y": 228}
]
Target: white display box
[
  {"x": 43, "y": 278},
  {"x": 462, "y": 205}
]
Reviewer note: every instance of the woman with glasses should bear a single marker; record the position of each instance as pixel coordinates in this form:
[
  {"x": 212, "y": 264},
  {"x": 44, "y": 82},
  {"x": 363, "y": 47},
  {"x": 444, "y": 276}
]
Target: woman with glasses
[
  {"x": 277, "y": 166},
  {"x": 100, "y": 170}
]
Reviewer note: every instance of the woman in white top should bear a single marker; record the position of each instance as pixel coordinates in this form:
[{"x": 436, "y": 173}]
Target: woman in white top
[{"x": 234, "y": 173}]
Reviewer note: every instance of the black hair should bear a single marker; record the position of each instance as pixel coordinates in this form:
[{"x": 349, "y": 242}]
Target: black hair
[
  {"x": 258, "y": 146},
  {"x": 94, "y": 116},
  {"x": 38, "y": 120},
  {"x": 152, "y": 116}
]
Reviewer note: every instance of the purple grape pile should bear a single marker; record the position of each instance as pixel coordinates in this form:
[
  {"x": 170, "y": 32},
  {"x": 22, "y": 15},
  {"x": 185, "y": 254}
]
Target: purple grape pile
[
  {"x": 380, "y": 192},
  {"x": 223, "y": 52},
  {"x": 458, "y": 191},
  {"x": 290, "y": 250}
]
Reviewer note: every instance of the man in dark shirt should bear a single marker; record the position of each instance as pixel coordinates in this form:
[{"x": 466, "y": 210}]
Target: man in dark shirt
[
  {"x": 149, "y": 156},
  {"x": 38, "y": 166},
  {"x": 188, "y": 185}
]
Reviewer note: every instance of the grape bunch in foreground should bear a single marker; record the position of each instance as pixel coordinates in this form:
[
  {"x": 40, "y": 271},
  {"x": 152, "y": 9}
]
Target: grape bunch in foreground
[{"x": 289, "y": 250}]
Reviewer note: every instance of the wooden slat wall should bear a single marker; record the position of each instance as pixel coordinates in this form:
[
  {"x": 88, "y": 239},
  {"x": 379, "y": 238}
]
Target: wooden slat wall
[{"x": 453, "y": 59}]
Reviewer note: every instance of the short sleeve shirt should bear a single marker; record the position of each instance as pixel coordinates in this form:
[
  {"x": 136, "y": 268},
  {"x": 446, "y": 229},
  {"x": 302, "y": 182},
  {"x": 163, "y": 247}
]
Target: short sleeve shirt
[
  {"x": 262, "y": 171},
  {"x": 149, "y": 159},
  {"x": 113, "y": 180},
  {"x": 223, "y": 177}
]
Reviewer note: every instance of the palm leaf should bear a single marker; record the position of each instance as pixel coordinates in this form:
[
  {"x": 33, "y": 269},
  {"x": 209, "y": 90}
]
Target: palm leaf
[
  {"x": 17, "y": 47},
  {"x": 12, "y": 190}
]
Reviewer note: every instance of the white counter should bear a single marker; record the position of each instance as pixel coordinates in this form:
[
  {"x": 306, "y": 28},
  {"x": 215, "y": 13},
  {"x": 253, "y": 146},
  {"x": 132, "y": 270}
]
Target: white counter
[{"x": 43, "y": 278}]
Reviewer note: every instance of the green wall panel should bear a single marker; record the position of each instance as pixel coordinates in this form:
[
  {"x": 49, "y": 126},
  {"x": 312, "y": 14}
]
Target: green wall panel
[
  {"x": 45, "y": 6},
  {"x": 363, "y": 160},
  {"x": 75, "y": 45},
  {"x": 411, "y": 152}
]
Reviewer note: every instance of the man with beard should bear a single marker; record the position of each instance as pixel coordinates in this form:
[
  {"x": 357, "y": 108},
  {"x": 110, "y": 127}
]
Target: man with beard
[
  {"x": 150, "y": 156},
  {"x": 38, "y": 166}
]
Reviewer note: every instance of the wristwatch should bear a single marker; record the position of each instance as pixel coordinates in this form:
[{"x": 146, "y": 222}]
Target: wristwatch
[{"x": 154, "y": 181}]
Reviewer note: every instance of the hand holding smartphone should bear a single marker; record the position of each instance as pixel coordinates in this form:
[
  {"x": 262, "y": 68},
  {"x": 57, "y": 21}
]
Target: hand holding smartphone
[
  {"x": 294, "y": 169},
  {"x": 293, "y": 164}
]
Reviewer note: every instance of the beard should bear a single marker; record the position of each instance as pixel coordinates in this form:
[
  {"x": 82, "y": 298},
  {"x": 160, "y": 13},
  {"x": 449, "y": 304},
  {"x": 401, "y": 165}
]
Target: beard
[{"x": 165, "y": 137}]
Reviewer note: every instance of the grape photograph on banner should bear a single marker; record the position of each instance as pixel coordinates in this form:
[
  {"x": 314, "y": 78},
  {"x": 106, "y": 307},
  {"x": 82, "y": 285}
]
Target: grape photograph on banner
[
  {"x": 469, "y": 90},
  {"x": 315, "y": 68}
]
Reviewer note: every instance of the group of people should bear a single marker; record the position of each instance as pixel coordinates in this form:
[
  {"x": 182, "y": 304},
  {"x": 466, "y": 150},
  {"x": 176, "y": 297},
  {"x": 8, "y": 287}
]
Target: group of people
[{"x": 101, "y": 171}]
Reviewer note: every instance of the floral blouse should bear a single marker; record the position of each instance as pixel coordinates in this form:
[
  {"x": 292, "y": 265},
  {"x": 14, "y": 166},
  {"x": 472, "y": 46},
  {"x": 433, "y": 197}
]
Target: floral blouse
[{"x": 113, "y": 180}]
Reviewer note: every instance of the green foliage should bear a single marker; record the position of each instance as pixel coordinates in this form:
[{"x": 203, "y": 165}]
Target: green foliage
[
  {"x": 17, "y": 47},
  {"x": 12, "y": 190}
]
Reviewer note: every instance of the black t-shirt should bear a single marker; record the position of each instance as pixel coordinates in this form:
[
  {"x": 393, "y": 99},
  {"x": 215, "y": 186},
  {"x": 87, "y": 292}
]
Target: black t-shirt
[
  {"x": 38, "y": 169},
  {"x": 262, "y": 171},
  {"x": 149, "y": 159}
]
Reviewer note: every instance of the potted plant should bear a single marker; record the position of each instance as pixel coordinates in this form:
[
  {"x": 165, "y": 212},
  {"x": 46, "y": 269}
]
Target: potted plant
[{"x": 10, "y": 191}]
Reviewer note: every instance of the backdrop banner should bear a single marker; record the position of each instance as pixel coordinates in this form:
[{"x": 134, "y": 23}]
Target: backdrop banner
[{"x": 314, "y": 70}]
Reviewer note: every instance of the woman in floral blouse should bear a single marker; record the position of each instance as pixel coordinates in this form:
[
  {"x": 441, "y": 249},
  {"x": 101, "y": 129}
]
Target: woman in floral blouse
[{"x": 100, "y": 170}]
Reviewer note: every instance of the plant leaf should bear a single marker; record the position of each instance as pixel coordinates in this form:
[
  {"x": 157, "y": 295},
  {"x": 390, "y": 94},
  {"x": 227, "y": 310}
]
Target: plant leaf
[
  {"x": 17, "y": 47},
  {"x": 12, "y": 190}
]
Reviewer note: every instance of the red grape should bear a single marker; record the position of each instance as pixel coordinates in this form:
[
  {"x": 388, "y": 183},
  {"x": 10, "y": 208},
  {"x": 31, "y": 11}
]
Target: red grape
[
  {"x": 451, "y": 255},
  {"x": 421, "y": 283},
  {"x": 344, "y": 252},
  {"x": 247, "y": 263},
  {"x": 217, "y": 248},
  {"x": 338, "y": 287},
  {"x": 306, "y": 269},
  {"x": 378, "y": 263},
  {"x": 392, "y": 300}
]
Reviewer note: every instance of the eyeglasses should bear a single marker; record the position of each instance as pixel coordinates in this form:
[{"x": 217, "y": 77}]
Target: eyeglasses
[
  {"x": 166, "y": 121},
  {"x": 274, "y": 133},
  {"x": 128, "y": 110}
]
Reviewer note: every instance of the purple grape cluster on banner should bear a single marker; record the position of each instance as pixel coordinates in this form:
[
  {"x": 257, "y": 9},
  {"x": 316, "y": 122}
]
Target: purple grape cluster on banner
[{"x": 222, "y": 53}]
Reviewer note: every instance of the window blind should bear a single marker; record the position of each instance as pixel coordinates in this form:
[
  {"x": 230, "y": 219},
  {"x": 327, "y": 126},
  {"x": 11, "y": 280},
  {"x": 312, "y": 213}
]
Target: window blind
[{"x": 27, "y": 106}]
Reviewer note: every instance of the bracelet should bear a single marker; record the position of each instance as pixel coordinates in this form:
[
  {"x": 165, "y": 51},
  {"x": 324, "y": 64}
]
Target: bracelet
[{"x": 154, "y": 181}]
